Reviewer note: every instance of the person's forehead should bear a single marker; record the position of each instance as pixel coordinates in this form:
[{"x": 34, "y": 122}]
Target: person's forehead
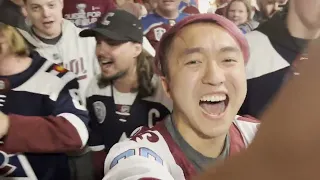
[
  {"x": 237, "y": 4},
  {"x": 41, "y": 2},
  {"x": 206, "y": 36}
]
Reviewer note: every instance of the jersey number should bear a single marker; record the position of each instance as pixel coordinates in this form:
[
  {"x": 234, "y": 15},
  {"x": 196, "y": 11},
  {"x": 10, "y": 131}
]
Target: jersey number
[{"x": 142, "y": 152}]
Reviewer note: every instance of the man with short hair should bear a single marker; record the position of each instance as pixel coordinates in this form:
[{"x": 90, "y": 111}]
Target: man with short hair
[
  {"x": 276, "y": 47},
  {"x": 267, "y": 8},
  {"x": 127, "y": 94},
  {"x": 57, "y": 40},
  {"x": 163, "y": 18},
  {"x": 204, "y": 74}
]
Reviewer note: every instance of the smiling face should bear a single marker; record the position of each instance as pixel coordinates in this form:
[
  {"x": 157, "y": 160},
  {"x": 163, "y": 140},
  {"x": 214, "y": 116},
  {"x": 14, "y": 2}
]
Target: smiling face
[
  {"x": 45, "y": 16},
  {"x": 238, "y": 12},
  {"x": 206, "y": 79},
  {"x": 116, "y": 58}
]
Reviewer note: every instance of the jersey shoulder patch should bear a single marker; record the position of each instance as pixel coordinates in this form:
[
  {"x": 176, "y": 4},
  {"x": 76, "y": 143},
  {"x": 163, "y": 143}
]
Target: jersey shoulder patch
[{"x": 51, "y": 79}]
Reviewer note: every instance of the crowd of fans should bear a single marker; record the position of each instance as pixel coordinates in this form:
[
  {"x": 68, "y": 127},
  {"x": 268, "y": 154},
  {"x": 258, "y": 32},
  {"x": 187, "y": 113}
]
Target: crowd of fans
[{"x": 140, "y": 89}]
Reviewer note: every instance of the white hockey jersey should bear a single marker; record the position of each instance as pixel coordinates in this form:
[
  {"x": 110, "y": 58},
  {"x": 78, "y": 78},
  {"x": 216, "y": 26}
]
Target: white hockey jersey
[
  {"x": 152, "y": 153},
  {"x": 73, "y": 52}
]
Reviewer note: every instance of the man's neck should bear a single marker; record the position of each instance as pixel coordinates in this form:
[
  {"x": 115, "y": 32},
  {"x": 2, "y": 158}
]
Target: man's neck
[
  {"x": 209, "y": 147},
  {"x": 126, "y": 83},
  {"x": 167, "y": 14},
  {"x": 11, "y": 65},
  {"x": 299, "y": 30},
  {"x": 46, "y": 36}
]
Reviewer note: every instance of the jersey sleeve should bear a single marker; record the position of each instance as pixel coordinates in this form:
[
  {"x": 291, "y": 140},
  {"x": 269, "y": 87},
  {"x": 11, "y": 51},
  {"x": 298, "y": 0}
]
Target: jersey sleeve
[
  {"x": 64, "y": 130},
  {"x": 144, "y": 156}
]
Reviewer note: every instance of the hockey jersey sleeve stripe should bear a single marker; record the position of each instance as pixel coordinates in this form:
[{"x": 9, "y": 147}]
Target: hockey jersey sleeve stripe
[
  {"x": 79, "y": 125},
  {"x": 97, "y": 148},
  {"x": 36, "y": 134},
  {"x": 67, "y": 78}
]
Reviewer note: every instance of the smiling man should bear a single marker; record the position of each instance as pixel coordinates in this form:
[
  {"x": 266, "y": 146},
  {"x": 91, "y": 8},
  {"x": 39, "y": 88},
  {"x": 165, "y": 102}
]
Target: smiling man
[
  {"x": 56, "y": 38},
  {"x": 204, "y": 75}
]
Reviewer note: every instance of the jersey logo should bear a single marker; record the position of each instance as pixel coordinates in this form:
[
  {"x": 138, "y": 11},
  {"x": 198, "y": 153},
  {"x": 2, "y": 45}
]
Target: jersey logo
[
  {"x": 172, "y": 22},
  {"x": 123, "y": 111},
  {"x": 100, "y": 110},
  {"x": 14, "y": 166},
  {"x": 59, "y": 69},
  {"x": 158, "y": 32},
  {"x": 145, "y": 133},
  {"x": 142, "y": 152}
]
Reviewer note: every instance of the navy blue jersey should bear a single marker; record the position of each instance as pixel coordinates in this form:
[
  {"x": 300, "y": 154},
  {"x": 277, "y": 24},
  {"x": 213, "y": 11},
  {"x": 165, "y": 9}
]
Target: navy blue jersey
[
  {"x": 46, "y": 118},
  {"x": 114, "y": 116}
]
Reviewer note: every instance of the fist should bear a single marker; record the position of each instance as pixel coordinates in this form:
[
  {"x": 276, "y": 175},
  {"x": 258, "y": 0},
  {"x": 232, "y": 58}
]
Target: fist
[{"x": 4, "y": 124}]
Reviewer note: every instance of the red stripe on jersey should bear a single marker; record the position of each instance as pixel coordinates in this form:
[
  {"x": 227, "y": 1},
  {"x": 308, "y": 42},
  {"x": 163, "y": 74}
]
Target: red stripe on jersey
[{"x": 40, "y": 135}]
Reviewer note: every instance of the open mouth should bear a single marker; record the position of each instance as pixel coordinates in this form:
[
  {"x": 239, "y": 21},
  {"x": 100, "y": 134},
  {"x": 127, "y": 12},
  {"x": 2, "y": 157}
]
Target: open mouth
[
  {"x": 214, "y": 105},
  {"x": 48, "y": 23},
  {"x": 106, "y": 62}
]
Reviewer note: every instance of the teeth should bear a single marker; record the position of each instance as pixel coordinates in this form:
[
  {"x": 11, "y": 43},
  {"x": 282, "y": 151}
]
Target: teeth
[
  {"x": 105, "y": 61},
  {"x": 214, "y": 98}
]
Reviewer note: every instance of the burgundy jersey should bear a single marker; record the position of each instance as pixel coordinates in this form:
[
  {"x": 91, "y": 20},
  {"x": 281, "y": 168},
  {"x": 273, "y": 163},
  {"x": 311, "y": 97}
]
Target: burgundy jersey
[
  {"x": 154, "y": 26},
  {"x": 153, "y": 153}
]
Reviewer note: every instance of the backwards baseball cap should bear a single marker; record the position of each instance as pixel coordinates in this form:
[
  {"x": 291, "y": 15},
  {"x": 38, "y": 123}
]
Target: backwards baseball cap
[
  {"x": 118, "y": 25},
  {"x": 229, "y": 26}
]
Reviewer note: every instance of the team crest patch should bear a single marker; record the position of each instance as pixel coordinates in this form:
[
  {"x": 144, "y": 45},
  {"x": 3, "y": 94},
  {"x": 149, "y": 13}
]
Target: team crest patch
[
  {"x": 100, "y": 110},
  {"x": 172, "y": 22},
  {"x": 60, "y": 69},
  {"x": 158, "y": 32}
]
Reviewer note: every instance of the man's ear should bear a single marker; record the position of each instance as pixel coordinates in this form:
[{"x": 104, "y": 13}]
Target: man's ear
[
  {"x": 165, "y": 86},
  {"x": 137, "y": 50}
]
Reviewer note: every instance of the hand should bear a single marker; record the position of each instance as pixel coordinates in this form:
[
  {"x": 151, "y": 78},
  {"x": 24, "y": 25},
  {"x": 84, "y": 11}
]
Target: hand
[
  {"x": 18, "y": 2},
  {"x": 4, "y": 124}
]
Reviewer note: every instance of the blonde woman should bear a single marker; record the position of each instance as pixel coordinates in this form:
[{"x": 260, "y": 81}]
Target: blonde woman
[{"x": 41, "y": 117}]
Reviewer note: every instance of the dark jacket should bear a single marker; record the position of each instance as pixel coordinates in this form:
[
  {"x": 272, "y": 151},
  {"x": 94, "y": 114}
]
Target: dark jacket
[{"x": 273, "y": 51}]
